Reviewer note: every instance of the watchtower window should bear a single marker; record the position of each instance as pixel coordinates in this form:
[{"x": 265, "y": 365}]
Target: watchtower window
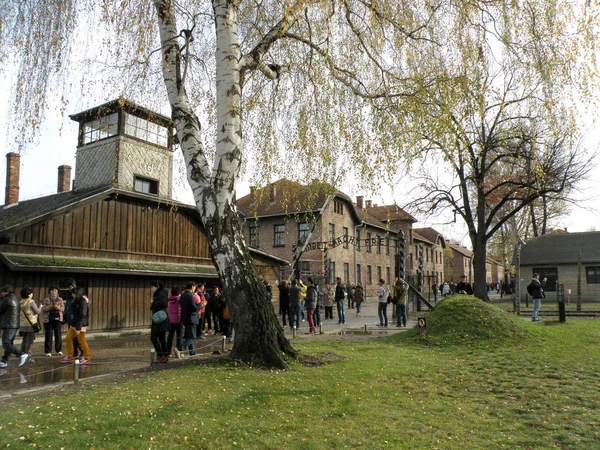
[
  {"x": 100, "y": 128},
  {"x": 146, "y": 186},
  {"x": 145, "y": 130}
]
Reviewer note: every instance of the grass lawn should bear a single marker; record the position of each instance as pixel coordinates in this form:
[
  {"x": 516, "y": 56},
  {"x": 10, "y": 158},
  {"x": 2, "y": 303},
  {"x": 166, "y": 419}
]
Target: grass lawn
[{"x": 483, "y": 380}]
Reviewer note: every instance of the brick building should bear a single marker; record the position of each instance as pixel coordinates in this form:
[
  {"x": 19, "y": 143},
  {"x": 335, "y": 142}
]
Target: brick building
[
  {"x": 355, "y": 241},
  {"x": 458, "y": 260}
]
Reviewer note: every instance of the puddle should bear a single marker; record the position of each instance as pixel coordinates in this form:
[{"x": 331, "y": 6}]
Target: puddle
[{"x": 109, "y": 355}]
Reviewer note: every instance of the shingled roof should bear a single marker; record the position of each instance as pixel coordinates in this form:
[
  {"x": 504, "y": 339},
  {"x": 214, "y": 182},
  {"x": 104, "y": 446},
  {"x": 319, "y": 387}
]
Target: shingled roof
[
  {"x": 27, "y": 211},
  {"x": 286, "y": 197},
  {"x": 562, "y": 248},
  {"x": 391, "y": 213},
  {"x": 462, "y": 250},
  {"x": 431, "y": 235}
]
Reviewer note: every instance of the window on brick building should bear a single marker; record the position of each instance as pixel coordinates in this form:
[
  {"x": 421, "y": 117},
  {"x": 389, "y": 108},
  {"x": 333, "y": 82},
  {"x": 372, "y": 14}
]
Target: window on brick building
[
  {"x": 379, "y": 242},
  {"x": 345, "y": 237},
  {"x": 358, "y": 240},
  {"x": 369, "y": 275},
  {"x": 358, "y": 273},
  {"x": 368, "y": 243},
  {"x": 338, "y": 207},
  {"x": 388, "y": 275},
  {"x": 279, "y": 240},
  {"x": 379, "y": 274},
  {"x": 346, "y": 273},
  {"x": 331, "y": 233},
  {"x": 253, "y": 236},
  {"x": 302, "y": 232}
]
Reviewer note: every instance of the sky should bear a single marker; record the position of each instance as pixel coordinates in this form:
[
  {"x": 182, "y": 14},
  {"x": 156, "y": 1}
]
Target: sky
[{"x": 57, "y": 146}]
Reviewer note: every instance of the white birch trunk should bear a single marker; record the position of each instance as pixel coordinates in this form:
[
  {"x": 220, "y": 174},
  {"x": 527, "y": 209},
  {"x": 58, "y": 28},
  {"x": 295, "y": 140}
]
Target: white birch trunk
[{"x": 258, "y": 336}]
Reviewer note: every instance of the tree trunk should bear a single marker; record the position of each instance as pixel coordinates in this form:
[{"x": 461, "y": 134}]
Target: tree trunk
[
  {"x": 259, "y": 338},
  {"x": 479, "y": 267}
]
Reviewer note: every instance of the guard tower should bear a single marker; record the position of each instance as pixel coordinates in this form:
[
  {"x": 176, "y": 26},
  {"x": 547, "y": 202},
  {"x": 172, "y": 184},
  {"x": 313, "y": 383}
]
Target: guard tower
[{"x": 126, "y": 146}]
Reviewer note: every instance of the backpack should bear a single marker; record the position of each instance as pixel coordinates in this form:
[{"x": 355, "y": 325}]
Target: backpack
[{"x": 530, "y": 289}]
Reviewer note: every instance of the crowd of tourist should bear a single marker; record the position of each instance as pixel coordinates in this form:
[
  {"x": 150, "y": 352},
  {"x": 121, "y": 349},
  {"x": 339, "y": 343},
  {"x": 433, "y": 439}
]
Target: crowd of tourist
[
  {"x": 26, "y": 317},
  {"x": 185, "y": 316}
]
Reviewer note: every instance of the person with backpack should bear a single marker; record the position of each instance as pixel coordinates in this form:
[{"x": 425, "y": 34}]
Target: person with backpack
[
  {"x": 29, "y": 319},
  {"x": 536, "y": 290},
  {"x": 78, "y": 323},
  {"x": 401, "y": 295},
  {"x": 160, "y": 325}
]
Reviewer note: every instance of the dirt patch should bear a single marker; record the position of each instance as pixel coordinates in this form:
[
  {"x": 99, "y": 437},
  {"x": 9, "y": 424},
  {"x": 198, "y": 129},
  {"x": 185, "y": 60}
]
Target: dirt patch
[{"x": 319, "y": 360}]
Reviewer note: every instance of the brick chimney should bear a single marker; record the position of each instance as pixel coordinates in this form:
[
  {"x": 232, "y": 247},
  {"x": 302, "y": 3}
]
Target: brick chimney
[
  {"x": 13, "y": 171},
  {"x": 273, "y": 193},
  {"x": 64, "y": 178},
  {"x": 360, "y": 201},
  {"x": 369, "y": 203}
]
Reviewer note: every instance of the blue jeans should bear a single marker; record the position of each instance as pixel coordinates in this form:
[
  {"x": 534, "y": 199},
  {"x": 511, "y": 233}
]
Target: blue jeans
[
  {"x": 295, "y": 315},
  {"x": 8, "y": 337},
  {"x": 537, "y": 302},
  {"x": 382, "y": 311},
  {"x": 189, "y": 337},
  {"x": 358, "y": 305},
  {"x": 340, "y": 310},
  {"x": 303, "y": 310},
  {"x": 317, "y": 316},
  {"x": 401, "y": 314}
]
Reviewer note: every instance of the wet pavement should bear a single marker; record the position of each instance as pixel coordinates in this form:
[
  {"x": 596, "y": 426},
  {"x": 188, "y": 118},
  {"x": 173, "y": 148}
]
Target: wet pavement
[{"x": 131, "y": 350}]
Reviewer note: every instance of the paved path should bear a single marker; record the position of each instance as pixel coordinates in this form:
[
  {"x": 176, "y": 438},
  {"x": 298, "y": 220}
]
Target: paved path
[{"x": 130, "y": 350}]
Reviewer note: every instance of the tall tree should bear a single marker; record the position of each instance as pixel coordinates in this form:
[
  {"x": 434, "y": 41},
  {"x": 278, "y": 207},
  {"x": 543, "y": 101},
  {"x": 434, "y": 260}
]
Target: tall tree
[{"x": 492, "y": 133}]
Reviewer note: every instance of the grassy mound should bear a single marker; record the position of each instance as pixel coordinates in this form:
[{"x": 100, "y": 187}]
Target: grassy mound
[{"x": 467, "y": 320}]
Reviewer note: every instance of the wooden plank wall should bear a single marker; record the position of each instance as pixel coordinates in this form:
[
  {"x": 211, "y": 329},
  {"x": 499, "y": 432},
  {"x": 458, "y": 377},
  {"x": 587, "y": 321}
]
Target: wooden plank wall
[
  {"x": 123, "y": 225},
  {"x": 117, "y": 301}
]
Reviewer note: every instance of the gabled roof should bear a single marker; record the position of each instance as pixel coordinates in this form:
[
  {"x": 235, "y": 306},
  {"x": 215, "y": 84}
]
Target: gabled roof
[
  {"x": 430, "y": 234},
  {"x": 462, "y": 250},
  {"x": 368, "y": 218},
  {"x": 391, "y": 213},
  {"x": 562, "y": 248},
  {"x": 285, "y": 197},
  {"x": 418, "y": 237},
  {"x": 25, "y": 212}
]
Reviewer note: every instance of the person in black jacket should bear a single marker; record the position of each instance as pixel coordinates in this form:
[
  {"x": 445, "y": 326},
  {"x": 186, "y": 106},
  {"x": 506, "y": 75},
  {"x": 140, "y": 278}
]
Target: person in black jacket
[
  {"x": 160, "y": 325},
  {"x": 340, "y": 296},
  {"x": 189, "y": 316},
  {"x": 9, "y": 322},
  {"x": 536, "y": 290},
  {"x": 284, "y": 302},
  {"x": 78, "y": 322}
]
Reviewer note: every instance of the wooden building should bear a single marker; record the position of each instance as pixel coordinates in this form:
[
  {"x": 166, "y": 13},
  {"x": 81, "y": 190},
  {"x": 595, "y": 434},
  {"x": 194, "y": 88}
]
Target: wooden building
[{"x": 117, "y": 229}]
